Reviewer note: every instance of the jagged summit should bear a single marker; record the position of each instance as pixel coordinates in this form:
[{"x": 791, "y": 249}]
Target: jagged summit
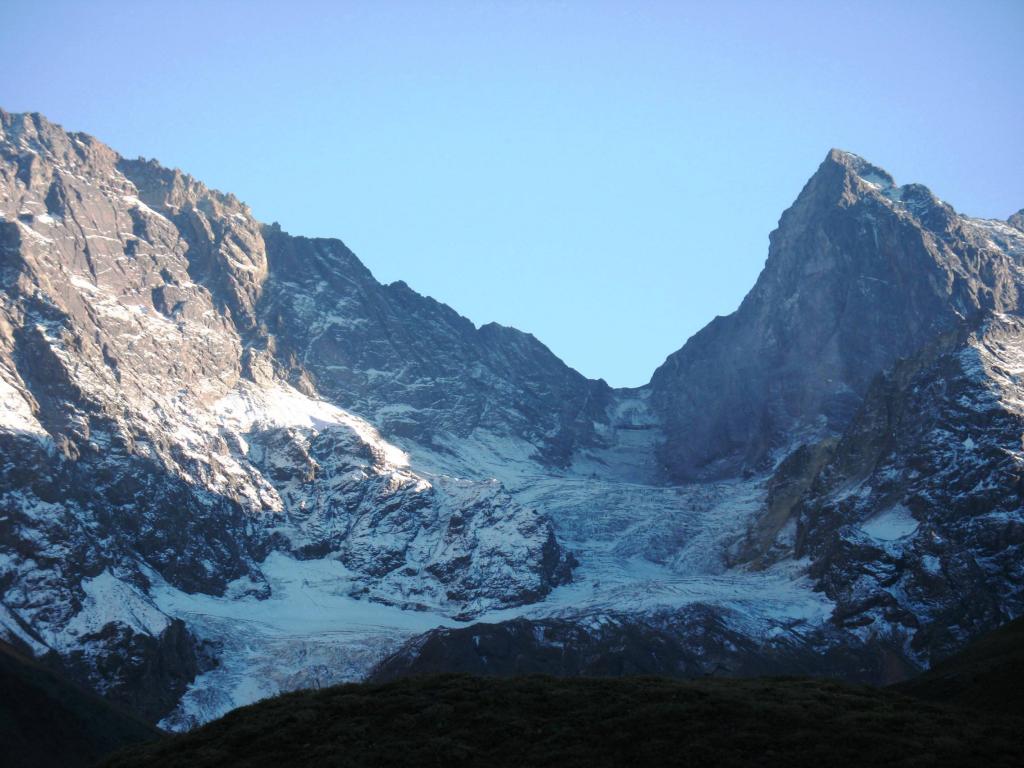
[
  {"x": 859, "y": 166},
  {"x": 34, "y": 131},
  {"x": 859, "y": 274},
  {"x": 844, "y": 178}
]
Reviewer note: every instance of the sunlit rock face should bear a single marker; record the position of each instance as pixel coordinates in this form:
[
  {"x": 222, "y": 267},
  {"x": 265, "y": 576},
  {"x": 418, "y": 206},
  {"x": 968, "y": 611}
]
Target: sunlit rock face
[
  {"x": 233, "y": 463},
  {"x": 156, "y": 431}
]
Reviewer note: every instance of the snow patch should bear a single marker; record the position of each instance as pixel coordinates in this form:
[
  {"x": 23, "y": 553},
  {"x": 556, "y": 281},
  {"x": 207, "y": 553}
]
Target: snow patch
[
  {"x": 135, "y": 202},
  {"x": 110, "y": 600},
  {"x": 16, "y": 413},
  {"x": 897, "y": 522},
  {"x": 280, "y": 405}
]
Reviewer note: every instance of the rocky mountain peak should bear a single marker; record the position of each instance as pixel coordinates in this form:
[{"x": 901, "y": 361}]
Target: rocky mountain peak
[
  {"x": 853, "y": 169},
  {"x": 859, "y": 273},
  {"x": 226, "y": 252},
  {"x": 860, "y": 167},
  {"x": 37, "y": 137},
  {"x": 840, "y": 181},
  {"x": 1017, "y": 220}
]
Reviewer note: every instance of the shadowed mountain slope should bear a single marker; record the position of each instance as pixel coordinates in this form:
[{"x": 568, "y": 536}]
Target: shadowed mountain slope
[
  {"x": 572, "y": 723},
  {"x": 988, "y": 674},
  {"x": 48, "y": 722},
  {"x": 965, "y": 712}
]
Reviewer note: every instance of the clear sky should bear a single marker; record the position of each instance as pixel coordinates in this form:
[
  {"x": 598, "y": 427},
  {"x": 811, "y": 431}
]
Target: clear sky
[{"x": 602, "y": 175}]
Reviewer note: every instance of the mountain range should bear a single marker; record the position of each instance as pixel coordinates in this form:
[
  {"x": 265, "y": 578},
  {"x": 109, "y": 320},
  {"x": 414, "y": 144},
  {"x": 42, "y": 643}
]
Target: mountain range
[{"x": 233, "y": 463}]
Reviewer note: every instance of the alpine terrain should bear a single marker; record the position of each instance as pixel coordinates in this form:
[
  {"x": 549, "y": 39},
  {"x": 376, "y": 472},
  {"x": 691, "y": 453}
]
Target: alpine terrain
[{"x": 232, "y": 463}]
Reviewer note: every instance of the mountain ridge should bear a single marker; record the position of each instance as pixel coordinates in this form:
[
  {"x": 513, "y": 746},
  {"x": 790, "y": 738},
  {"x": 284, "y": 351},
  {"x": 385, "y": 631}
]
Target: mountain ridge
[{"x": 234, "y": 463}]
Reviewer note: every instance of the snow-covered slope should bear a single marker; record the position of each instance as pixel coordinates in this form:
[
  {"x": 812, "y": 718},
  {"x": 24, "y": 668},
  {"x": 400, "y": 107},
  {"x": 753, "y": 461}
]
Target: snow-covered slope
[
  {"x": 151, "y": 436},
  {"x": 233, "y": 463}
]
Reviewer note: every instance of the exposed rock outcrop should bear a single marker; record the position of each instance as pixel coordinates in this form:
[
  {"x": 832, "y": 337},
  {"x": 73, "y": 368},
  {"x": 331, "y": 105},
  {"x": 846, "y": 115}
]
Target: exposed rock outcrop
[{"x": 860, "y": 273}]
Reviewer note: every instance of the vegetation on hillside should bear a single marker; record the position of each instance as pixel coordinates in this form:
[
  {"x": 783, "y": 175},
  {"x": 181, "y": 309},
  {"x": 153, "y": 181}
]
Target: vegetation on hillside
[
  {"x": 456, "y": 720},
  {"x": 47, "y": 721}
]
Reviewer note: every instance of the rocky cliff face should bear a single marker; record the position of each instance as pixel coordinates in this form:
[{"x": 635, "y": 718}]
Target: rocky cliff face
[
  {"x": 916, "y": 524},
  {"x": 414, "y": 366},
  {"x": 694, "y": 642},
  {"x": 150, "y": 433},
  {"x": 860, "y": 272},
  {"x": 232, "y": 462}
]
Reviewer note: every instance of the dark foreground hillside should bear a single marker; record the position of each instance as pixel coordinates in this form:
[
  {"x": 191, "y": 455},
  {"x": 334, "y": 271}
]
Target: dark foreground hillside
[
  {"x": 988, "y": 674},
  {"x": 46, "y": 721},
  {"x": 455, "y": 720}
]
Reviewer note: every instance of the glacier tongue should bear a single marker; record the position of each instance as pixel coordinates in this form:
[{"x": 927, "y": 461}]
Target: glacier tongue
[{"x": 313, "y": 632}]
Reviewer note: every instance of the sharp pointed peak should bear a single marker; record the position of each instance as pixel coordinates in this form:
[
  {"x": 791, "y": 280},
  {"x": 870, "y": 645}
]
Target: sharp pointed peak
[
  {"x": 844, "y": 177},
  {"x": 856, "y": 164}
]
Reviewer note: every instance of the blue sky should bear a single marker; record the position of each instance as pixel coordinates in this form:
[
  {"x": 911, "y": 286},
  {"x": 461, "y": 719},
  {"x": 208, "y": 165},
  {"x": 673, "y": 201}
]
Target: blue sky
[{"x": 602, "y": 175}]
